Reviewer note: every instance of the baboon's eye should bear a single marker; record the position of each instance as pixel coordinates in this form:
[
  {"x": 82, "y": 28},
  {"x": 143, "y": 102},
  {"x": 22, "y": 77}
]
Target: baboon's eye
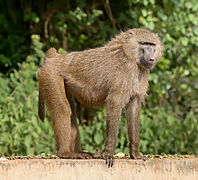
[
  {"x": 147, "y": 43},
  {"x": 131, "y": 33}
]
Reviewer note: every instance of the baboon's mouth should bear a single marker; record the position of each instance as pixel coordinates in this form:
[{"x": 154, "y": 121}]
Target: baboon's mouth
[
  {"x": 151, "y": 63},
  {"x": 147, "y": 64}
]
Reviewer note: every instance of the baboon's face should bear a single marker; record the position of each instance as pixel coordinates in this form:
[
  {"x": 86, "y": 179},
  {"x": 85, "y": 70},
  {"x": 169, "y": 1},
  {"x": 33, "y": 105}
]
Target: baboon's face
[
  {"x": 147, "y": 55},
  {"x": 142, "y": 46}
]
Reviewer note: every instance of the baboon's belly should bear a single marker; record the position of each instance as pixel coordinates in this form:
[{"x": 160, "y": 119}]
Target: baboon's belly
[{"x": 88, "y": 96}]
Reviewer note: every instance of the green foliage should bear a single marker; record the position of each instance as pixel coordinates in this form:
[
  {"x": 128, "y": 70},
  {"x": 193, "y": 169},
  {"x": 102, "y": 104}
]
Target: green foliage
[
  {"x": 12, "y": 38},
  {"x": 21, "y": 131},
  {"x": 169, "y": 117},
  {"x": 163, "y": 131},
  {"x": 79, "y": 26}
]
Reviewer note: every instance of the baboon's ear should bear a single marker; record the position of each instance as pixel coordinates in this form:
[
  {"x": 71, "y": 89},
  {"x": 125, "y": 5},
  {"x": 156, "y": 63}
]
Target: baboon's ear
[{"x": 128, "y": 36}]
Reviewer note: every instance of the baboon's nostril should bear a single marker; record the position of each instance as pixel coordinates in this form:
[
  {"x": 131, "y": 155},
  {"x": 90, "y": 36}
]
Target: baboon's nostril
[{"x": 151, "y": 59}]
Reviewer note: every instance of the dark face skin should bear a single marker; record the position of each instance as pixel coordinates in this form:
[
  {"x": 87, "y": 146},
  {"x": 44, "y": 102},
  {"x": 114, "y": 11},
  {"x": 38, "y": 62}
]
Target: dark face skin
[{"x": 147, "y": 55}]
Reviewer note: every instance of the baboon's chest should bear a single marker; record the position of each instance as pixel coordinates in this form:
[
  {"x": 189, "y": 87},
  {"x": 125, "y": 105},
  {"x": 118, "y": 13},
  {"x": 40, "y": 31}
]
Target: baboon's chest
[{"x": 135, "y": 87}]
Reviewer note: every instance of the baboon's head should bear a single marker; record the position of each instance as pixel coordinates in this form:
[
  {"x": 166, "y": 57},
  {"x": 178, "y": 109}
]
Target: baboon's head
[{"x": 143, "y": 46}]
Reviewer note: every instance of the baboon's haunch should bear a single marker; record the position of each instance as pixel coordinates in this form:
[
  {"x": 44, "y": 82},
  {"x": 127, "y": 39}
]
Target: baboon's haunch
[{"x": 115, "y": 75}]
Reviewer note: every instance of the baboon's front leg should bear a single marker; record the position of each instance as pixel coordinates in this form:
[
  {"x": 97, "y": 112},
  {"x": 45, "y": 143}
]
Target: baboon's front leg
[
  {"x": 114, "y": 109},
  {"x": 133, "y": 120}
]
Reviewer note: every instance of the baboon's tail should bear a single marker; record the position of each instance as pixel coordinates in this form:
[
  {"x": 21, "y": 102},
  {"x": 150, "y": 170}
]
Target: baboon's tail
[
  {"x": 50, "y": 54},
  {"x": 41, "y": 107}
]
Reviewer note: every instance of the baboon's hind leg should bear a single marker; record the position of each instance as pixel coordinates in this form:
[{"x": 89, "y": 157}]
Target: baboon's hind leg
[
  {"x": 75, "y": 136},
  {"x": 53, "y": 90}
]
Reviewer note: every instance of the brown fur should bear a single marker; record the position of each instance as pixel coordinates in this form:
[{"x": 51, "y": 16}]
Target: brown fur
[{"x": 113, "y": 75}]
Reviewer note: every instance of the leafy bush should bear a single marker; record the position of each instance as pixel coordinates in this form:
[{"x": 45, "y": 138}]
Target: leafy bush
[
  {"x": 13, "y": 36},
  {"x": 21, "y": 131}
]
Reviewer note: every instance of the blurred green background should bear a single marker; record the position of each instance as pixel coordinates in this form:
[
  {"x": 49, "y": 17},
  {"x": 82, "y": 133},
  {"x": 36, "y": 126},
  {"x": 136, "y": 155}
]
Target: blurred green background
[{"x": 169, "y": 118}]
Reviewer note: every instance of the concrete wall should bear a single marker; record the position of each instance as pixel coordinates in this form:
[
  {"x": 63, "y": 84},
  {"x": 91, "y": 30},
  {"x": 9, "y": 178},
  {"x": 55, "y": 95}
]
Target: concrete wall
[{"x": 123, "y": 169}]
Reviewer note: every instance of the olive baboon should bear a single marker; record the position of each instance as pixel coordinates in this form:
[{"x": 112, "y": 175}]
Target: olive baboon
[{"x": 115, "y": 75}]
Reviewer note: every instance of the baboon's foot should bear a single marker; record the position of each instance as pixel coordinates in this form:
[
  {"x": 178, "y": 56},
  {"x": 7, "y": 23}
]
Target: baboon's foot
[
  {"x": 108, "y": 157},
  {"x": 73, "y": 155},
  {"x": 138, "y": 155}
]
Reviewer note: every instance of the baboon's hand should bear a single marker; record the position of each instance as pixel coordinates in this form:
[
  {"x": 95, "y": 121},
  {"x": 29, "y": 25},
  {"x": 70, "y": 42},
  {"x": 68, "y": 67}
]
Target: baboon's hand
[
  {"x": 108, "y": 157},
  {"x": 109, "y": 160}
]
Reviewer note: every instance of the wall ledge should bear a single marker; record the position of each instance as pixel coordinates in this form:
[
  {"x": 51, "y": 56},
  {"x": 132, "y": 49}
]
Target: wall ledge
[{"x": 96, "y": 169}]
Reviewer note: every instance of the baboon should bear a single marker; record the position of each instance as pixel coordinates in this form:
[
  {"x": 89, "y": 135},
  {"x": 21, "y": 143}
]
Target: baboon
[{"x": 115, "y": 75}]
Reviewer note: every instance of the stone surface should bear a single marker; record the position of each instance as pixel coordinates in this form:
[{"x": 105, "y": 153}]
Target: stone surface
[{"x": 123, "y": 169}]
